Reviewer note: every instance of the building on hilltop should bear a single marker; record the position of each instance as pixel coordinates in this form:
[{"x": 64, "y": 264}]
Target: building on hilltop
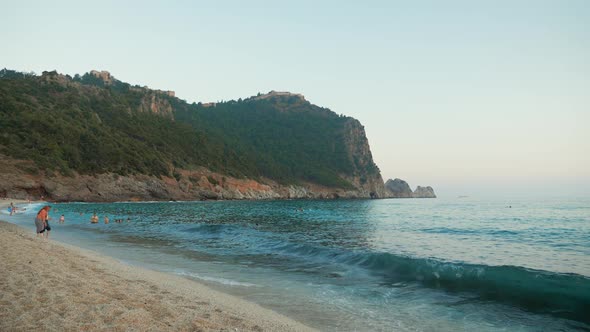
[
  {"x": 274, "y": 93},
  {"x": 103, "y": 75}
]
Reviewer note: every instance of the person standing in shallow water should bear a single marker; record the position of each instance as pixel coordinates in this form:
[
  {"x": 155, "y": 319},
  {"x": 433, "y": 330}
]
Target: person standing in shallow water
[{"x": 42, "y": 222}]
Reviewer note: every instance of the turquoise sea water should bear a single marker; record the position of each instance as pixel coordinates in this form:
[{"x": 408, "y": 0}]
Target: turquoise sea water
[{"x": 398, "y": 264}]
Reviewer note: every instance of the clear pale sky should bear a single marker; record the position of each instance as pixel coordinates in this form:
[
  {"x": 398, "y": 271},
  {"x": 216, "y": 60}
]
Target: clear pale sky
[{"x": 468, "y": 96}]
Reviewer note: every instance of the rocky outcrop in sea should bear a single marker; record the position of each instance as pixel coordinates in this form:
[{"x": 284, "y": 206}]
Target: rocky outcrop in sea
[
  {"x": 399, "y": 188},
  {"x": 424, "y": 192}
]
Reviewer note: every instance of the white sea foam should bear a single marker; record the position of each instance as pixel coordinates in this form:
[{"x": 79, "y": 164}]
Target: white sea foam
[
  {"x": 213, "y": 279},
  {"x": 24, "y": 209},
  {"x": 32, "y": 207}
]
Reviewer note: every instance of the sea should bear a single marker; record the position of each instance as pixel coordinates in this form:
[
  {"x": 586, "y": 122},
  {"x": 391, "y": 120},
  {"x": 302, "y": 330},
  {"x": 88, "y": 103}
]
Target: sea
[{"x": 445, "y": 264}]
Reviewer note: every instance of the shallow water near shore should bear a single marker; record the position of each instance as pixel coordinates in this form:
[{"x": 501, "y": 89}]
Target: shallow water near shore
[{"x": 405, "y": 264}]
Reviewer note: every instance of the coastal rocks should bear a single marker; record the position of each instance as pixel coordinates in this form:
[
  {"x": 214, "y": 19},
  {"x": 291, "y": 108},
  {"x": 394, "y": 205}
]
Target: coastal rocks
[
  {"x": 424, "y": 192},
  {"x": 105, "y": 188},
  {"x": 297, "y": 192},
  {"x": 399, "y": 188},
  {"x": 232, "y": 188},
  {"x": 208, "y": 195},
  {"x": 18, "y": 179}
]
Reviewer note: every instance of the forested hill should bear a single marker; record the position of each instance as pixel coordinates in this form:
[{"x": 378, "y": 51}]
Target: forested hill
[{"x": 95, "y": 124}]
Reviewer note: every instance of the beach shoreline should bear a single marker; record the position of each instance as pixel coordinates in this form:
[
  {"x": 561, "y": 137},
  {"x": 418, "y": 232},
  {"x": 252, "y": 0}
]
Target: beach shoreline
[{"x": 48, "y": 285}]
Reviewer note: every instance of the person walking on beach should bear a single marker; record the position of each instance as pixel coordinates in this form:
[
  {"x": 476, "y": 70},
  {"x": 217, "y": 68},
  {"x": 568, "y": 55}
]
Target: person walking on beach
[
  {"x": 42, "y": 221},
  {"x": 12, "y": 208}
]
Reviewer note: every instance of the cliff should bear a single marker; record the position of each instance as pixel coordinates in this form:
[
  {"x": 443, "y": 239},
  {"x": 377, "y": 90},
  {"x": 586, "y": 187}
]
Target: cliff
[
  {"x": 365, "y": 174},
  {"x": 95, "y": 138}
]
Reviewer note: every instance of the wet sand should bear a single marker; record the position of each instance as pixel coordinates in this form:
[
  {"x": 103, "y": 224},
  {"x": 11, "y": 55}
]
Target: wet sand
[{"x": 50, "y": 286}]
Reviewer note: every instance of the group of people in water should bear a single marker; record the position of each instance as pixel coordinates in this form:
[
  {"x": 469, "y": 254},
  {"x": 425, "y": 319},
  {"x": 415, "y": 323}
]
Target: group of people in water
[
  {"x": 94, "y": 219},
  {"x": 42, "y": 221}
]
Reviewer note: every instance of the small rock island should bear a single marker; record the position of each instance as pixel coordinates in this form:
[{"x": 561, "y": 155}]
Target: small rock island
[{"x": 399, "y": 188}]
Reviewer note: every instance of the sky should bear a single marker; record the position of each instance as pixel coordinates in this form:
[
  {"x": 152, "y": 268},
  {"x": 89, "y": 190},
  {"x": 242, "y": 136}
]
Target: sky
[{"x": 470, "y": 97}]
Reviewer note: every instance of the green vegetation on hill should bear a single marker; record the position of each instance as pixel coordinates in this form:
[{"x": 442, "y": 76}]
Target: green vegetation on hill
[
  {"x": 291, "y": 139},
  {"x": 82, "y": 124},
  {"x": 71, "y": 127}
]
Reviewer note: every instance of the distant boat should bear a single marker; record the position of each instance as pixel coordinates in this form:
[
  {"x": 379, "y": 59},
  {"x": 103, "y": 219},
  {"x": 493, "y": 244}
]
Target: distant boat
[{"x": 462, "y": 196}]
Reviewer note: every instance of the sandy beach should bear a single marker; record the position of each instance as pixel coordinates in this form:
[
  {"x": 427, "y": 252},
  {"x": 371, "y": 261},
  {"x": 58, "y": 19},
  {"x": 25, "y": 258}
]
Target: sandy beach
[{"x": 50, "y": 286}]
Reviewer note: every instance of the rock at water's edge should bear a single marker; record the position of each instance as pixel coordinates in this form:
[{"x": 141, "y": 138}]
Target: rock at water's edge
[
  {"x": 424, "y": 192},
  {"x": 399, "y": 188}
]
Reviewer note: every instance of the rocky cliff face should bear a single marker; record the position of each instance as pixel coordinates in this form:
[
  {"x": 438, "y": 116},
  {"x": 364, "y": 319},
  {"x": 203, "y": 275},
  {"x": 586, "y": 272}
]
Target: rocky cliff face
[
  {"x": 366, "y": 175},
  {"x": 399, "y": 188},
  {"x": 153, "y": 102},
  {"x": 424, "y": 192}
]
